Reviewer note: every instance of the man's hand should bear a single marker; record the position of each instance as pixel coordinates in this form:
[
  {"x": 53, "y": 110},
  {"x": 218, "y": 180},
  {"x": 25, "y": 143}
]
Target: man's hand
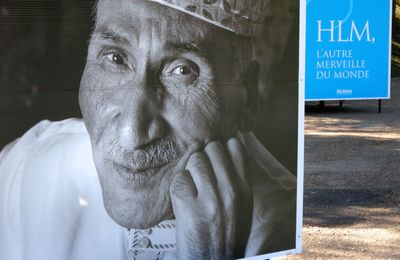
[{"x": 212, "y": 203}]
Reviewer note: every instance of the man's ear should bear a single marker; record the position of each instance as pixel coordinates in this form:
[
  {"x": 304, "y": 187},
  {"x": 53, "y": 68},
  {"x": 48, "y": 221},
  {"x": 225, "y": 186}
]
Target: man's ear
[{"x": 250, "y": 81}]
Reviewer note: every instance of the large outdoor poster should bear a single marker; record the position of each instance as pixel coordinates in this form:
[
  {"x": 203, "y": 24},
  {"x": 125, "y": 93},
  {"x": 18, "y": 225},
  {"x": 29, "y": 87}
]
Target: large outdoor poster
[
  {"x": 348, "y": 49},
  {"x": 150, "y": 129}
]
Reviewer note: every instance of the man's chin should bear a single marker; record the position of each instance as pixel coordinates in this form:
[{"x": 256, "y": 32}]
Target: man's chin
[
  {"x": 139, "y": 212},
  {"x": 142, "y": 223},
  {"x": 136, "y": 200}
]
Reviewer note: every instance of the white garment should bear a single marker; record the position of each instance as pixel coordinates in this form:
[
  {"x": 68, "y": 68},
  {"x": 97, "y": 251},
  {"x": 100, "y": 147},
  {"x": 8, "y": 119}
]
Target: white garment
[{"x": 51, "y": 205}]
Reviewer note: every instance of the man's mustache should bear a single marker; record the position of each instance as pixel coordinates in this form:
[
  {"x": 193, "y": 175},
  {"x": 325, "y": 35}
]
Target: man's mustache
[{"x": 155, "y": 154}]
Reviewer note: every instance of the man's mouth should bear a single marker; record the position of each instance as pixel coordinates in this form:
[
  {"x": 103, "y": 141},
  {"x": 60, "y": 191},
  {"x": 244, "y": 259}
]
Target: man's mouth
[
  {"x": 147, "y": 159},
  {"x": 137, "y": 170}
]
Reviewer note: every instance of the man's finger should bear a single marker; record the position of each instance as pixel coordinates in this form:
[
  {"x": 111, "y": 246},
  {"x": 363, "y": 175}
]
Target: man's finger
[
  {"x": 194, "y": 147},
  {"x": 224, "y": 171},
  {"x": 202, "y": 174},
  {"x": 182, "y": 188},
  {"x": 239, "y": 157}
]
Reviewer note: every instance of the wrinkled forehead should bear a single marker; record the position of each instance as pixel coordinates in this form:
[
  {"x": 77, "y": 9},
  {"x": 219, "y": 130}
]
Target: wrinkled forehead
[
  {"x": 147, "y": 16},
  {"x": 161, "y": 25}
]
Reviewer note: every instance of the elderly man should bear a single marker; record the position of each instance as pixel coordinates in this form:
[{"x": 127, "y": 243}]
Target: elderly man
[{"x": 168, "y": 98}]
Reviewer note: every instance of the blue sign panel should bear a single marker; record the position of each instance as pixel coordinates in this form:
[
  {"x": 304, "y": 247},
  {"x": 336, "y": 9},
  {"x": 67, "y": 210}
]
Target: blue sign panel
[{"x": 348, "y": 49}]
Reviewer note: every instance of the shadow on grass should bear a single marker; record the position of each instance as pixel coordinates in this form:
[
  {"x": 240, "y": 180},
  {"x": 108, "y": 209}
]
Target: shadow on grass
[{"x": 344, "y": 207}]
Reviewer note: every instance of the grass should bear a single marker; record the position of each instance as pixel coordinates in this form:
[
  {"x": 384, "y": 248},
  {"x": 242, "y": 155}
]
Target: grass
[{"x": 396, "y": 42}]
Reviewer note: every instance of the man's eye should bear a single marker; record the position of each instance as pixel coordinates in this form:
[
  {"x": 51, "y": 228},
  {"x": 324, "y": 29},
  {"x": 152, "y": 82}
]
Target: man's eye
[
  {"x": 116, "y": 58},
  {"x": 182, "y": 70}
]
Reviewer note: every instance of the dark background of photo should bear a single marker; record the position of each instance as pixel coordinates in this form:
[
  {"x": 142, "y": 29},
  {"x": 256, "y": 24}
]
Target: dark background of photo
[{"x": 43, "y": 47}]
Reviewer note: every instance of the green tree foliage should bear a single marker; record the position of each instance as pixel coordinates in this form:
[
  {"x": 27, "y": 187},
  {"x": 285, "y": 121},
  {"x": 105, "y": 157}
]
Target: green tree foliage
[{"x": 396, "y": 39}]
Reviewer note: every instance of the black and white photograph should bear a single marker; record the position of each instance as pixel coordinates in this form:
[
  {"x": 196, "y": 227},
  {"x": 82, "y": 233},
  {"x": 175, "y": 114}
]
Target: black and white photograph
[{"x": 150, "y": 129}]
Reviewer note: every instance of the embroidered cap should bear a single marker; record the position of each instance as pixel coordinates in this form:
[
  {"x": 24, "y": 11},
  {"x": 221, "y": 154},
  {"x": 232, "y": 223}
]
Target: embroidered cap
[{"x": 244, "y": 17}]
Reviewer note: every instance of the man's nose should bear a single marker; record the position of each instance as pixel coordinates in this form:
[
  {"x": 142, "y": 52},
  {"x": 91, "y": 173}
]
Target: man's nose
[{"x": 139, "y": 121}]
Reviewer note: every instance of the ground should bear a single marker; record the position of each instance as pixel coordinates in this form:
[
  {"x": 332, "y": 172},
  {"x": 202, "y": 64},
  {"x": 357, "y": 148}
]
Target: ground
[{"x": 352, "y": 180}]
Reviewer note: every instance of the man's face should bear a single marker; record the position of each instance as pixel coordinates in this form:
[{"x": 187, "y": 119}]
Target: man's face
[{"x": 156, "y": 81}]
